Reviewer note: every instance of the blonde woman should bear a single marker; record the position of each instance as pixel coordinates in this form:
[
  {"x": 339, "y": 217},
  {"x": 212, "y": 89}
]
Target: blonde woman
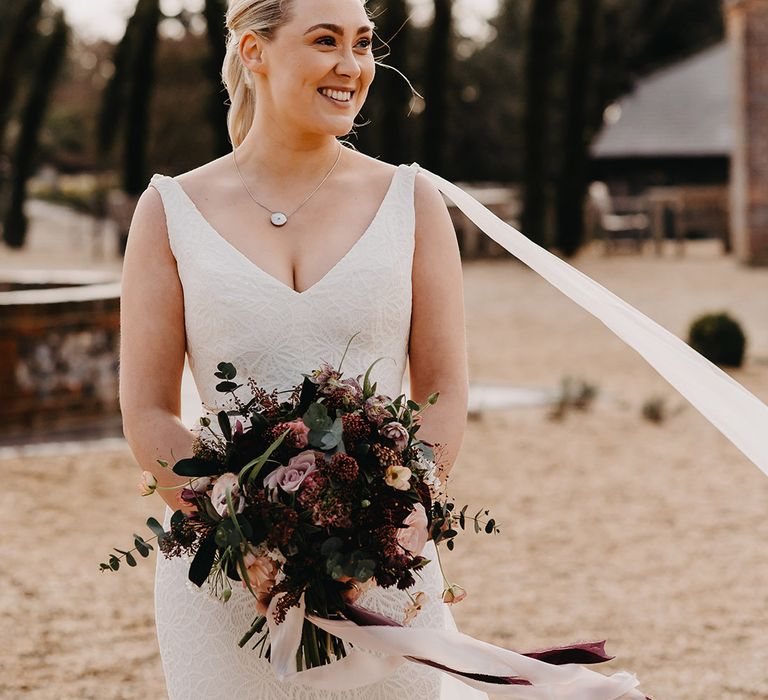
[{"x": 271, "y": 257}]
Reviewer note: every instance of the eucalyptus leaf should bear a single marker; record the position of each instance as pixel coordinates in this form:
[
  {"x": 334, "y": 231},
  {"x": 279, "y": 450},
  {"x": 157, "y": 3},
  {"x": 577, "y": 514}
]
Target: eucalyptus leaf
[
  {"x": 226, "y": 370},
  {"x": 156, "y": 527},
  {"x": 316, "y": 417},
  {"x": 226, "y": 387},
  {"x": 130, "y": 559},
  {"x": 332, "y": 544}
]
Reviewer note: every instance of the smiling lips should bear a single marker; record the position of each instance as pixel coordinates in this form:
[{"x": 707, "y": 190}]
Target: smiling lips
[{"x": 342, "y": 96}]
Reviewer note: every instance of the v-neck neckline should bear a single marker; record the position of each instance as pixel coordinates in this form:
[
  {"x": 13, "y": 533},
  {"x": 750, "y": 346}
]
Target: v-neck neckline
[{"x": 243, "y": 257}]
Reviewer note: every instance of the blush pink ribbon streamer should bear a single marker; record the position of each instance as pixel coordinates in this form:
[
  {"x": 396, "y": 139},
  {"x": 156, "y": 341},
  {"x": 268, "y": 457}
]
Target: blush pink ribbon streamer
[
  {"x": 508, "y": 673},
  {"x": 732, "y": 409}
]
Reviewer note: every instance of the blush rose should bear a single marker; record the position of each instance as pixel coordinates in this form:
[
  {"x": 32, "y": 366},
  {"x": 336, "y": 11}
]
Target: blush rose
[{"x": 289, "y": 477}]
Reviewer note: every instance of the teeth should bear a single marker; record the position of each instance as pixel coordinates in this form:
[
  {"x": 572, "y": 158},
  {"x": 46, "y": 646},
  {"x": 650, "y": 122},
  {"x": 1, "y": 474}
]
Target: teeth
[{"x": 341, "y": 96}]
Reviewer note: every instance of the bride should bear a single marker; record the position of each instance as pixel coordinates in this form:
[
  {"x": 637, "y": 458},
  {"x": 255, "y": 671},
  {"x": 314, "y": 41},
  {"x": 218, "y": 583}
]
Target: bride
[{"x": 271, "y": 258}]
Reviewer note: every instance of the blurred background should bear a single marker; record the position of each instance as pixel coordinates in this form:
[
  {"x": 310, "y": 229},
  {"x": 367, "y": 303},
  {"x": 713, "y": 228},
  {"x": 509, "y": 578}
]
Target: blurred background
[{"x": 629, "y": 137}]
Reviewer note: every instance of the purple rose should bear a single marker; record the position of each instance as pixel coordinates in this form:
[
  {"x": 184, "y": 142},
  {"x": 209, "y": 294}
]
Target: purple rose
[
  {"x": 290, "y": 476},
  {"x": 397, "y": 432}
]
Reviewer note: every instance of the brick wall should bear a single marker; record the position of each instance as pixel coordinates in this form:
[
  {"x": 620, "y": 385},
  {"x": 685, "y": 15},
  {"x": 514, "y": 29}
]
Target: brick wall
[{"x": 747, "y": 26}]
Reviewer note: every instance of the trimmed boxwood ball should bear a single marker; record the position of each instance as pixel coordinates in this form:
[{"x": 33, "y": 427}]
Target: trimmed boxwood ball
[{"x": 719, "y": 338}]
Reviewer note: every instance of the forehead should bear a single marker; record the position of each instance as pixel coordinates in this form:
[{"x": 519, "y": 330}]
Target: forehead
[{"x": 348, "y": 14}]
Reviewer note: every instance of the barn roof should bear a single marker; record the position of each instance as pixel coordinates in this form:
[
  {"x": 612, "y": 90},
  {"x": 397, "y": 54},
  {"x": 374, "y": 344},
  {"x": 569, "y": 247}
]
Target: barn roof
[{"x": 682, "y": 110}]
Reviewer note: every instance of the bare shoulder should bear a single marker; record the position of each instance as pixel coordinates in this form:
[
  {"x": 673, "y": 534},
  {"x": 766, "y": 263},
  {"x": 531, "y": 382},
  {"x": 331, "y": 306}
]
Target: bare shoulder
[
  {"x": 365, "y": 168},
  {"x": 204, "y": 175},
  {"x": 433, "y": 219},
  {"x": 148, "y": 228}
]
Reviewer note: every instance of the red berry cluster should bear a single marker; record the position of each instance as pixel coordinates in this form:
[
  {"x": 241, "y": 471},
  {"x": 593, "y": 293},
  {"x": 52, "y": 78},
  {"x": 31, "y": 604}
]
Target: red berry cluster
[
  {"x": 342, "y": 467},
  {"x": 355, "y": 427}
]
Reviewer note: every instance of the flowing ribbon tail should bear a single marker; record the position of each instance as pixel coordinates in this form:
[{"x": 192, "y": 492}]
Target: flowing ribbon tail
[
  {"x": 381, "y": 645},
  {"x": 725, "y": 403}
]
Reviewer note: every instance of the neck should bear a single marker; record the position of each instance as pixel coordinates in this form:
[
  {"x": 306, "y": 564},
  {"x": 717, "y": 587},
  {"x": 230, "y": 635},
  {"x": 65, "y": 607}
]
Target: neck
[{"x": 289, "y": 158}]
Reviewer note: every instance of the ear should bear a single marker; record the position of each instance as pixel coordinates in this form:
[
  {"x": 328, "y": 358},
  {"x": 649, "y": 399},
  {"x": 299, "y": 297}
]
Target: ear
[{"x": 251, "y": 47}]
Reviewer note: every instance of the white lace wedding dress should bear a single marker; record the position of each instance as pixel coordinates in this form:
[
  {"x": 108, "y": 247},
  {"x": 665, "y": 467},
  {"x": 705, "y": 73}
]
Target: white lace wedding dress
[{"x": 238, "y": 313}]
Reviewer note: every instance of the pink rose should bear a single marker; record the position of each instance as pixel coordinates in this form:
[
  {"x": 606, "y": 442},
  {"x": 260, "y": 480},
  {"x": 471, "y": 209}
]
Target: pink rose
[
  {"x": 300, "y": 432},
  {"x": 397, "y": 432},
  {"x": 261, "y": 574},
  {"x": 289, "y": 477},
  {"x": 219, "y": 494},
  {"x": 414, "y": 535}
]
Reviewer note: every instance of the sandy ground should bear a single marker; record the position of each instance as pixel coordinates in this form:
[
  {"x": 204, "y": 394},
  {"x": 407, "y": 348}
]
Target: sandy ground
[{"x": 649, "y": 536}]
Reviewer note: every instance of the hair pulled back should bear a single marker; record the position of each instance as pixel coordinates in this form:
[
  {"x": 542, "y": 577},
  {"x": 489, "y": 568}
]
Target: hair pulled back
[{"x": 264, "y": 17}]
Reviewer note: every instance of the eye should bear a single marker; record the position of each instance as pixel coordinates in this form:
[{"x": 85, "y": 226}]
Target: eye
[
  {"x": 365, "y": 42},
  {"x": 325, "y": 38}
]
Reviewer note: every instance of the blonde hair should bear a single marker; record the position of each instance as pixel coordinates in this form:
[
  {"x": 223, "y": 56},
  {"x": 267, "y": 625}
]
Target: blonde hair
[{"x": 264, "y": 17}]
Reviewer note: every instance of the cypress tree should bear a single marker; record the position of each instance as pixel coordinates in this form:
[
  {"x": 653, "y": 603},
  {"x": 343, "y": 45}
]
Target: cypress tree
[
  {"x": 572, "y": 182},
  {"x": 215, "y": 13},
  {"x": 33, "y": 114},
  {"x": 542, "y": 30},
  {"x": 140, "y": 88},
  {"x": 436, "y": 74}
]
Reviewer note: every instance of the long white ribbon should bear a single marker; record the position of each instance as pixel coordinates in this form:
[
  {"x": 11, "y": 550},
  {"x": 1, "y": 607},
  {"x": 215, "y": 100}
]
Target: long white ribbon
[
  {"x": 725, "y": 403},
  {"x": 731, "y": 408},
  {"x": 452, "y": 649}
]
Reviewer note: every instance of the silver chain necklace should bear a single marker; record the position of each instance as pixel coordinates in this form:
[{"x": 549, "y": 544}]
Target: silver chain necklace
[{"x": 279, "y": 218}]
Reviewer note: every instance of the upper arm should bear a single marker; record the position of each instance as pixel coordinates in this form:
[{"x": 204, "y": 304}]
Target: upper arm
[
  {"x": 152, "y": 330},
  {"x": 437, "y": 347}
]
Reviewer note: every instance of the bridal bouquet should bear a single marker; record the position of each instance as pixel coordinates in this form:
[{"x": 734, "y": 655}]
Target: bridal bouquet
[{"x": 309, "y": 501}]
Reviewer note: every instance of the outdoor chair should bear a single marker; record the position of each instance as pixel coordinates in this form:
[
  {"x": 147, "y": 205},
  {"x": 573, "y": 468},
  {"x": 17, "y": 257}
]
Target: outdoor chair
[{"x": 628, "y": 229}]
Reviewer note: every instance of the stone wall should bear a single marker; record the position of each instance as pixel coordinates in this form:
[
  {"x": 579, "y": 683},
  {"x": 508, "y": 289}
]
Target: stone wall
[{"x": 59, "y": 353}]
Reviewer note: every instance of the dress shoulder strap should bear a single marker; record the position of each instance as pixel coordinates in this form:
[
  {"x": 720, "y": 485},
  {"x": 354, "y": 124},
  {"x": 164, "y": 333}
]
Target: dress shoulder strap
[
  {"x": 405, "y": 194},
  {"x": 168, "y": 189}
]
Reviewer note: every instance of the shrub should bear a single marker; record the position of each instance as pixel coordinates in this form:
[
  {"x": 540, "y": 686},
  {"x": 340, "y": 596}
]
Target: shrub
[
  {"x": 719, "y": 338},
  {"x": 574, "y": 393}
]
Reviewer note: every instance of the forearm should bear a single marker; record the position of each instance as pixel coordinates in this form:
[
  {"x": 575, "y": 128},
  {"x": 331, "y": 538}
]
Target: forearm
[
  {"x": 159, "y": 434},
  {"x": 444, "y": 423}
]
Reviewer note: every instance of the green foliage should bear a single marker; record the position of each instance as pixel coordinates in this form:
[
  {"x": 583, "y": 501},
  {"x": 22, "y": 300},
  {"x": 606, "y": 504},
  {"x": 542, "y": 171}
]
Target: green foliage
[
  {"x": 719, "y": 338},
  {"x": 141, "y": 546}
]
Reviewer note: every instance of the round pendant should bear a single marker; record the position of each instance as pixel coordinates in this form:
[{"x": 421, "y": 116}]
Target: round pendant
[{"x": 278, "y": 218}]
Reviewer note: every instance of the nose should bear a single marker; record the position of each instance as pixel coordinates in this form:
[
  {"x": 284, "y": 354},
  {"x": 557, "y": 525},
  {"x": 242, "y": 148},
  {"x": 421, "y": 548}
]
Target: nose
[{"x": 348, "y": 64}]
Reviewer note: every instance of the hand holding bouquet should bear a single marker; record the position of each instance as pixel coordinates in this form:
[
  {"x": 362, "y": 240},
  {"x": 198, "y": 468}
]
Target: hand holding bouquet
[{"x": 319, "y": 497}]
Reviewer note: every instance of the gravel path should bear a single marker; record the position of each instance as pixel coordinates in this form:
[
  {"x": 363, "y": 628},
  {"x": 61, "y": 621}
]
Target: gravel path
[{"x": 650, "y": 536}]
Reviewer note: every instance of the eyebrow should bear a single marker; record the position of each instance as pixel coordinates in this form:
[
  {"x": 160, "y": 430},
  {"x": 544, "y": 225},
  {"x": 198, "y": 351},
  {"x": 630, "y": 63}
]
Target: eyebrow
[{"x": 336, "y": 29}]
